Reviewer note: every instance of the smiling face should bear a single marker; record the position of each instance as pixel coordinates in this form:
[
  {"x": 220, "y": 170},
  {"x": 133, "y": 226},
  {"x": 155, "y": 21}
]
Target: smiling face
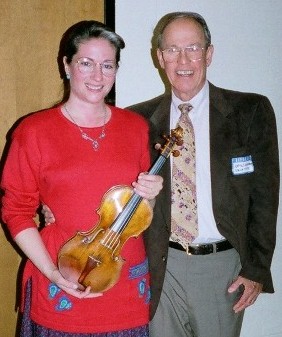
[
  {"x": 94, "y": 86},
  {"x": 186, "y": 77}
]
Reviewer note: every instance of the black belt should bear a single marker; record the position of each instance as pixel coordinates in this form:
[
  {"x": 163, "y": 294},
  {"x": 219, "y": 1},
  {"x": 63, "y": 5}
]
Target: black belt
[{"x": 203, "y": 249}]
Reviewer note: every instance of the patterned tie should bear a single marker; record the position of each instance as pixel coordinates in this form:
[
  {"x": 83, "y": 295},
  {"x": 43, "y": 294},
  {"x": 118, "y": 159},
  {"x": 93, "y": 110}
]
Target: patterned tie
[{"x": 184, "y": 220}]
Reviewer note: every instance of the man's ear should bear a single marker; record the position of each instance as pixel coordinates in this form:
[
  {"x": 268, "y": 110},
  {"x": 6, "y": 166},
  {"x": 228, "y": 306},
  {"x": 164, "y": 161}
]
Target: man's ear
[
  {"x": 160, "y": 58},
  {"x": 209, "y": 55}
]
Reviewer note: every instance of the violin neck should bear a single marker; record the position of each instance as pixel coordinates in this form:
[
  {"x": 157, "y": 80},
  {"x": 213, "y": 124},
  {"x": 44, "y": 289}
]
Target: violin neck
[{"x": 155, "y": 169}]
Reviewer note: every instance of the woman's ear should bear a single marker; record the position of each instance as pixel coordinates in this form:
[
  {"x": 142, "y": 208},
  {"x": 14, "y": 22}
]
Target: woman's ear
[{"x": 66, "y": 66}]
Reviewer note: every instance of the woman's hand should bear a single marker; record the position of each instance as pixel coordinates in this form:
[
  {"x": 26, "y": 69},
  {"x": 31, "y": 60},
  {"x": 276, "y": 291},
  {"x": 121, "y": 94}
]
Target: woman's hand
[
  {"x": 147, "y": 185},
  {"x": 70, "y": 287}
]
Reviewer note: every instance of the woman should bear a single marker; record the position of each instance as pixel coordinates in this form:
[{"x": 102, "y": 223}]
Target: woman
[{"x": 67, "y": 157}]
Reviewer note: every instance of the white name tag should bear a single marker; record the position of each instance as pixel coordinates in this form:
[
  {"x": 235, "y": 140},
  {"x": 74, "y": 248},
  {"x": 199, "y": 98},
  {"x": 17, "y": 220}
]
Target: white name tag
[{"x": 242, "y": 165}]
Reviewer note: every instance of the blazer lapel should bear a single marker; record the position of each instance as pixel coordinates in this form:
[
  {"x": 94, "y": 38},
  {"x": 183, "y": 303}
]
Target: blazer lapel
[
  {"x": 161, "y": 116},
  {"x": 220, "y": 145},
  {"x": 160, "y": 125}
]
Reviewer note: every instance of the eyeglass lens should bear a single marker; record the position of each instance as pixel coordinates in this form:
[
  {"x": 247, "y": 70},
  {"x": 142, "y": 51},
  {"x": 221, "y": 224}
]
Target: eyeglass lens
[
  {"x": 194, "y": 53},
  {"x": 86, "y": 65}
]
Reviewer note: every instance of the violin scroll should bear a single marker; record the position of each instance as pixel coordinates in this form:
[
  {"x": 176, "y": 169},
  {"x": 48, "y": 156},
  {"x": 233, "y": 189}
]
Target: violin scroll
[{"x": 175, "y": 138}]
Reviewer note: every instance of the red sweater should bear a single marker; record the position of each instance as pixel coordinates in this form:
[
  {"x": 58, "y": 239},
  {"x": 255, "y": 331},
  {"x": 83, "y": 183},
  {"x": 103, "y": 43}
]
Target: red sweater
[{"x": 50, "y": 163}]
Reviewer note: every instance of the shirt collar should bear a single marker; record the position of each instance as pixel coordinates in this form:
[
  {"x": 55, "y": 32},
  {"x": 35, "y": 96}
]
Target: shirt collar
[{"x": 195, "y": 101}]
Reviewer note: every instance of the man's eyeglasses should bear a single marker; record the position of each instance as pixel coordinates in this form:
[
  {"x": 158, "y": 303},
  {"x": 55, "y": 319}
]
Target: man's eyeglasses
[
  {"x": 193, "y": 52},
  {"x": 87, "y": 65}
]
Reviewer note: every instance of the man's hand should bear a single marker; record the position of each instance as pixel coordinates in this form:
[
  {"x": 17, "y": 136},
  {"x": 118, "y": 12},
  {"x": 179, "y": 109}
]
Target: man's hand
[
  {"x": 251, "y": 292},
  {"x": 48, "y": 215}
]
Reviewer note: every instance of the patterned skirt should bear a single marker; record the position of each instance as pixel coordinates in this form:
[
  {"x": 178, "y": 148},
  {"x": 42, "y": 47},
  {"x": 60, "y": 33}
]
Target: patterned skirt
[{"x": 31, "y": 329}]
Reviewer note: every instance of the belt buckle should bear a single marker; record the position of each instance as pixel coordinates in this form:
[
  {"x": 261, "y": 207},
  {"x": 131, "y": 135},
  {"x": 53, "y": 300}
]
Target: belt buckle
[
  {"x": 197, "y": 245},
  {"x": 187, "y": 250}
]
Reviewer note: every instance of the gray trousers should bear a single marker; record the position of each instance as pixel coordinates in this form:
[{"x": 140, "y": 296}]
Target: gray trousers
[{"x": 194, "y": 301}]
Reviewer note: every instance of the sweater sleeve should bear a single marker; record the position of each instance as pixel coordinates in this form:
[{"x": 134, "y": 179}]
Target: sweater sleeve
[{"x": 20, "y": 181}]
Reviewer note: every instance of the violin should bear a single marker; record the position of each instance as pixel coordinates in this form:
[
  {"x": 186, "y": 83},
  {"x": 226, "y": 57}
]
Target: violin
[{"x": 92, "y": 258}]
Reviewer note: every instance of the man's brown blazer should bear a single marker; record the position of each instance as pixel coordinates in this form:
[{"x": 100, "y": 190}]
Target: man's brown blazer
[{"x": 242, "y": 128}]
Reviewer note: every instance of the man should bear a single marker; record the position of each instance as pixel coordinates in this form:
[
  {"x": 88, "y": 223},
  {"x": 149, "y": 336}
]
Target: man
[{"x": 201, "y": 288}]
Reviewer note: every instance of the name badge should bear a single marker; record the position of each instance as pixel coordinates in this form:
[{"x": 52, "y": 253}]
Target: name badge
[{"x": 242, "y": 165}]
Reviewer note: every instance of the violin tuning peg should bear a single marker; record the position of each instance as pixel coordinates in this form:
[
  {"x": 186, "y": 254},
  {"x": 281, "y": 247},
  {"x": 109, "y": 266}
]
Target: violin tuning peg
[
  {"x": 158, "y": 147},
  {"x": 175, "y": 153},
  {"x": 179, "y": 142}
]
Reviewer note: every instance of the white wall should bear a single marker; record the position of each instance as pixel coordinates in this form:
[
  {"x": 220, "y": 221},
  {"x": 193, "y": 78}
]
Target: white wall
[{"x": 247, "y": 36}]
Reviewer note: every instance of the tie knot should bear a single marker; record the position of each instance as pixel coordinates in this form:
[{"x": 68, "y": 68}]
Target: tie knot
[{"x": 185, "y": 107}]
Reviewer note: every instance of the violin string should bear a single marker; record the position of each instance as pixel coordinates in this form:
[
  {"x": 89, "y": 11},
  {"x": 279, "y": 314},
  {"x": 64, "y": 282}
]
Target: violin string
[{"x": 110, "y": 239}]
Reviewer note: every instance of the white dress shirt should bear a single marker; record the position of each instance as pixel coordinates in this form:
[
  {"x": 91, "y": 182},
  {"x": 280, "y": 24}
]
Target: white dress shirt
[{"x": 199, "y": 115}]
